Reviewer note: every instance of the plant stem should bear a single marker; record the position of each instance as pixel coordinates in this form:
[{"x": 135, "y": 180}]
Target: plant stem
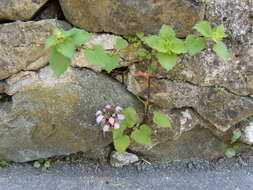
[{"x": 146, "y": 113}]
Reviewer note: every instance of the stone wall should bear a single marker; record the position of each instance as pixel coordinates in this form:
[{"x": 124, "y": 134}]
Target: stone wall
[{"x": 43, "y": 116}]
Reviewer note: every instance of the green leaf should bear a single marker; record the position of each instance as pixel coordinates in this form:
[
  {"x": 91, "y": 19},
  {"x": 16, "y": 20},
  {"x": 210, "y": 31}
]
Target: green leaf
[
  {"x": 3, "y": 163},
  {"x": 219, "y": 33},
  {"x": 161, "y": 119},
  {"x": 113, "y": 61},
  {"x": 177, "y": 46},
  {"x": 121, "y": 143},
  {"x": 204, "y": 28},
  {"x": 152, "y": 41},
  {"x": 52, "y": 41},
  {"x": 166, "y": 32},
  {"x": 120, "y": 44},
  {"x": 47, "y": 164},
  {"x": 167, "y": 61},
  {"x": 140, "y": 35},
  {"x": 223, "y": 146},
  {"x": 36, "y": 164},
  {"x": 97, "y": 56},
  {"x": 58, "y": 63},
  {"x": 194, "y": 44},
  {"x": 152, "y": 67},
  {"x": 131, "y": 115},
  {"x": 236, "y": 135},
  {"x": 221, "y": 50},
  {"x": 81, "y": 37},
  {"x": 230, "y": 152},
  {"x": 146, "y": 130},
  {"x": 142, "y": 135},
  {"x": 67, "y": 48},
  {"x": 119, "y": 132},
  {"x": 142, "y": 52}
]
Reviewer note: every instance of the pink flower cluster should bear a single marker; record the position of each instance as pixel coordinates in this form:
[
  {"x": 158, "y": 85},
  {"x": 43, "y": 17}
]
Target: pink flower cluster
[{"x": 109, "y": 117}]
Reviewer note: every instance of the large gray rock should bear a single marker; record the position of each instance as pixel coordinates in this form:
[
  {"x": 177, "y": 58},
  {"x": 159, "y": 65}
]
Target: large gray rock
[
  {"x": 22, "y": 45},
  {"x": 198, "y": 144},
  {"x": 131, "y": 16},
  {"x": 20, "y": 10},
  {"x": 186, "y": 139},
  {"x": 48, "y": 116}
]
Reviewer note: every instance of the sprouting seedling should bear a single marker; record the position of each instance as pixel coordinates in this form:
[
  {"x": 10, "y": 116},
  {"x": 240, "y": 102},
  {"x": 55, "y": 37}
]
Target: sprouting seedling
[
  {"x": 195, "y": 44},
  {"x": 231, "y": 147},
  {"x": 166, "y": 45},
  {"x": 63, "y": 46},
  {"x": 44, "y": 164}
]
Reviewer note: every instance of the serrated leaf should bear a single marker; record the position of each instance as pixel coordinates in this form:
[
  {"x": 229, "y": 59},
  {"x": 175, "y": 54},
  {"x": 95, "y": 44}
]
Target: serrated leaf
[
  {"x": 204, "y": 28},
  {"x": 121, "y": 143},
  {"x": 166, "y": 32},
  {"x": 161, "y": 119},
  {"x": 142, "y": 135},
  {"x": 81, "y": 37},
  {"x": 177, "y": 46},
  {"x": 167, "y": 61},
  {"x": 52, "y": 41},
  {"x": 58, "y": 63},
  {"x": 97, "y": 56},
  {"x": 230, "y": 152},
  {"x": 219, "y": 33},
  {"x": 67, "y": 48},
  {"x": 120, "y": 44},
  {"x": 113, "y": 61},
  {"x": 194, "y": 44},
  {"x": 140, "y": 35},
  {"x": 36, "y": 164},
  {"x": 221, "y": 50},
  {"x": 131, "y": 117},
  {"x": 236, "y": 135},
  {"x": 152, "y": 41}
]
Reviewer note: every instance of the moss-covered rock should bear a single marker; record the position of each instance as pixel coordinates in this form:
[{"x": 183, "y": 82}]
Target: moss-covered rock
[{"x": 49, "y": 116}]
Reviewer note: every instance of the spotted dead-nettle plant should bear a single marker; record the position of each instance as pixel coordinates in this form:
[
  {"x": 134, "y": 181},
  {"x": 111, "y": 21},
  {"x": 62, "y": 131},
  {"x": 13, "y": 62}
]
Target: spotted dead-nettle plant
[{"x": 109, "y": 117}]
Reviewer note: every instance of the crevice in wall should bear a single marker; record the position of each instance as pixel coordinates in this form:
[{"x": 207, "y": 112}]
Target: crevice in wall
[
  {"x": 55, "y": 6},
  {"x": 5, "y": 98}
]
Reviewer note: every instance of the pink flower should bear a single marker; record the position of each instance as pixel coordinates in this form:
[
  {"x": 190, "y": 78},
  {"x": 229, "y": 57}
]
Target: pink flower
[
  {"x": 111, "y": 120},
  {"x": 99, "y": 119},
  {"x": 108, "y": 106},
  {"x": 121, "y": 117},
  {"x": 118, "y": 108},
  {"x": 116, "y": 125},
  {"x": 106, "y": 128},
  {"x": 98, "y": 113}
]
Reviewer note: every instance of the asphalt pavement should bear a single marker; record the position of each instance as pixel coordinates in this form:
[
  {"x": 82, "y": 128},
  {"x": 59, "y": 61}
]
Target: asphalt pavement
[{"x": 222, "y": 174}]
